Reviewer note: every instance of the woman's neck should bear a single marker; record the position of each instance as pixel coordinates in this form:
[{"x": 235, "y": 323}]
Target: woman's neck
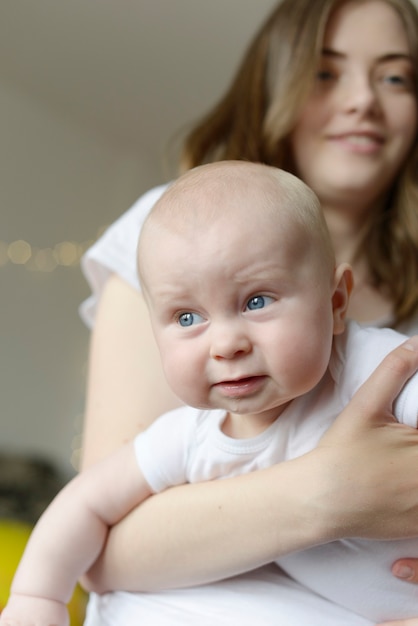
[
  {"x": 346, "y": 225},
  {"x": 367, "y": 304}
]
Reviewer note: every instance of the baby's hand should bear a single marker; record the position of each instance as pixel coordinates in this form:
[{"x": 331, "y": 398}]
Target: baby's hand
[{"x": 24, "y": 610}]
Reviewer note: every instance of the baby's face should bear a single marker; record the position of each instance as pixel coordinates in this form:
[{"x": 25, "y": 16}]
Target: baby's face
[{"x": 242, "y": 312}]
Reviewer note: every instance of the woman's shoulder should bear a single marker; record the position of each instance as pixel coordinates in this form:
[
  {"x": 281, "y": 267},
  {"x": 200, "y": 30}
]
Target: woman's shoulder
[{"x": 115, "y": 251}]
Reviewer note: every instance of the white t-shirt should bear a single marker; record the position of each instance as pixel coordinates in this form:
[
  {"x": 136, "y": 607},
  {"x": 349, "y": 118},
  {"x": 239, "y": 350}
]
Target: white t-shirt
[
  {"x": 263, "y": 597},
  {"x": 115, "y": 252}
]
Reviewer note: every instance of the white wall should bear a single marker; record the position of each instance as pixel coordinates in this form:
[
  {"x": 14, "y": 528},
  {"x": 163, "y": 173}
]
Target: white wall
[
  {"x": 89, "y": 95},
  {"x": 58, "y": 183},
  {"x": 123, "y": 65}
]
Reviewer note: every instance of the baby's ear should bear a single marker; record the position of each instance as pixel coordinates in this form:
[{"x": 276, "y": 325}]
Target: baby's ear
[{"x": 343, "y": 285}]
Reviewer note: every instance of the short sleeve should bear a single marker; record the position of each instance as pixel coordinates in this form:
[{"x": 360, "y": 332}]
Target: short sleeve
[
  {"x": 115, "y": 252},
  {"x": 164, "y": 449}
]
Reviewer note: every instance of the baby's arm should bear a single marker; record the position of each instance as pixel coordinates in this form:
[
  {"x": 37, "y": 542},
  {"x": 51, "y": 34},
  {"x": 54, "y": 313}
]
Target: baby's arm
[{"x": 70, "y": 536}]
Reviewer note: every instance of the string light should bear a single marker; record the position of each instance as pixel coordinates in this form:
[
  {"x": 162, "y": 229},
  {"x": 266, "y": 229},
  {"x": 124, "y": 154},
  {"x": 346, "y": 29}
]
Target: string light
[{"x": 63, "y": 254}]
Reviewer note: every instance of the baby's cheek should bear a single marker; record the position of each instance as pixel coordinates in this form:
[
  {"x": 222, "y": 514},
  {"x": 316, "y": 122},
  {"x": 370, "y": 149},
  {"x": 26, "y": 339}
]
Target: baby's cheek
[{"x": 180, "y": 374}]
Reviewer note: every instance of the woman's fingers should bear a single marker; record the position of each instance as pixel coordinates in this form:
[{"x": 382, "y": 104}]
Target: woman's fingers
[
  {"x": 370, "y": 461},
  {"x": 374, "y": 400},
  {"x": 406, "y": 569}
]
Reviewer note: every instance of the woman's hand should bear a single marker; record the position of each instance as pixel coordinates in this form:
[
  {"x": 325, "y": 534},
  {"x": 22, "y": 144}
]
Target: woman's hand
[
  {"x": 375, "y": 457},
  {"x": 405, "y": 569}
]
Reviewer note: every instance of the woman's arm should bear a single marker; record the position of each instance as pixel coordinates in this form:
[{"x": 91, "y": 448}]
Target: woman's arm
[
  {"x": 197, "y": 533},
  {"x": 126, "y": 388}
]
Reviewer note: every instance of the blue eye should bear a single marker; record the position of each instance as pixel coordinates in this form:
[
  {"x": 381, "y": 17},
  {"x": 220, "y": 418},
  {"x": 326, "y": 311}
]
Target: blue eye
[
  {"x": 189, "y": 319},
  {"x": 258, "y": 302}
]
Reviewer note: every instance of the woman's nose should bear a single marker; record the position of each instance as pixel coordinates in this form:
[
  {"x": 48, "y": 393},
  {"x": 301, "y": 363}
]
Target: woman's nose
[
  {"x": 359, "y": 95},
  {"x": 229, "y": 341}
]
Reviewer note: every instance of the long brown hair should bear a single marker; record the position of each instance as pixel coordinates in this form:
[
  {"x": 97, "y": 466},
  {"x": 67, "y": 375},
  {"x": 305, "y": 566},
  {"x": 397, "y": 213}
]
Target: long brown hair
[{"x": 255, "y": 116}]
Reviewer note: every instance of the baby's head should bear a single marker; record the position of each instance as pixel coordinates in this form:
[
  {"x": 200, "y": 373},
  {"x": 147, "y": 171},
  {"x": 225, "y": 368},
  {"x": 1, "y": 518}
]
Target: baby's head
[
  {"x": 225, "y": 197},
  {"x": 238, "y": 271}
]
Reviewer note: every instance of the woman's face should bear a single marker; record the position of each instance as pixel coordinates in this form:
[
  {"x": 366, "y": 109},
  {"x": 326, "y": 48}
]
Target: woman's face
[{"x": 360, "y": 119}]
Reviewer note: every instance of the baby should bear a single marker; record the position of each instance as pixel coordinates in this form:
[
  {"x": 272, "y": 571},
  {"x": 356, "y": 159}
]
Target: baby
[{"x": 248, "y": 309}]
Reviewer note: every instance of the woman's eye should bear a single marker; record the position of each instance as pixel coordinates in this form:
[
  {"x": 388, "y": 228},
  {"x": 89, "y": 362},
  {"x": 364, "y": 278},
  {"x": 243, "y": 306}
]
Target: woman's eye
[
  {"x": 324, "y": 75},
  {"x": 397, "y": 78},
  {"x": 258, "y": 302},
  {"x": 189, "y": 319}
]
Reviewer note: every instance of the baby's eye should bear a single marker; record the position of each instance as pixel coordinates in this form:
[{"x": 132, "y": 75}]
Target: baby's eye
[
  {"x": 258, "y": 302},
  {"x": 189, "y": 319}
]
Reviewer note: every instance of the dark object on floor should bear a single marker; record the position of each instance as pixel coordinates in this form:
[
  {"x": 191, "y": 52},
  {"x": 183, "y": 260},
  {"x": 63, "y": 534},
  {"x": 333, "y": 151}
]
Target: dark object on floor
[{"x": 27, "y": 486}]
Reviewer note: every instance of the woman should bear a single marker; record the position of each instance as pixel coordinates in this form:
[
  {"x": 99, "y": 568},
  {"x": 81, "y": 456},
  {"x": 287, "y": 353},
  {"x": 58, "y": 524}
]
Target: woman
[{"x": 327, "y": 90}]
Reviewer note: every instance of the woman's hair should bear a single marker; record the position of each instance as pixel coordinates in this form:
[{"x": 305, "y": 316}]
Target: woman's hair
[{"x": 259, "y": 110}]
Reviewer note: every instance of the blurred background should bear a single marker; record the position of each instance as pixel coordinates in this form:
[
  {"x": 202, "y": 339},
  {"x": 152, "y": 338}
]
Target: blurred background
[{"x": 92, "y": 95}]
